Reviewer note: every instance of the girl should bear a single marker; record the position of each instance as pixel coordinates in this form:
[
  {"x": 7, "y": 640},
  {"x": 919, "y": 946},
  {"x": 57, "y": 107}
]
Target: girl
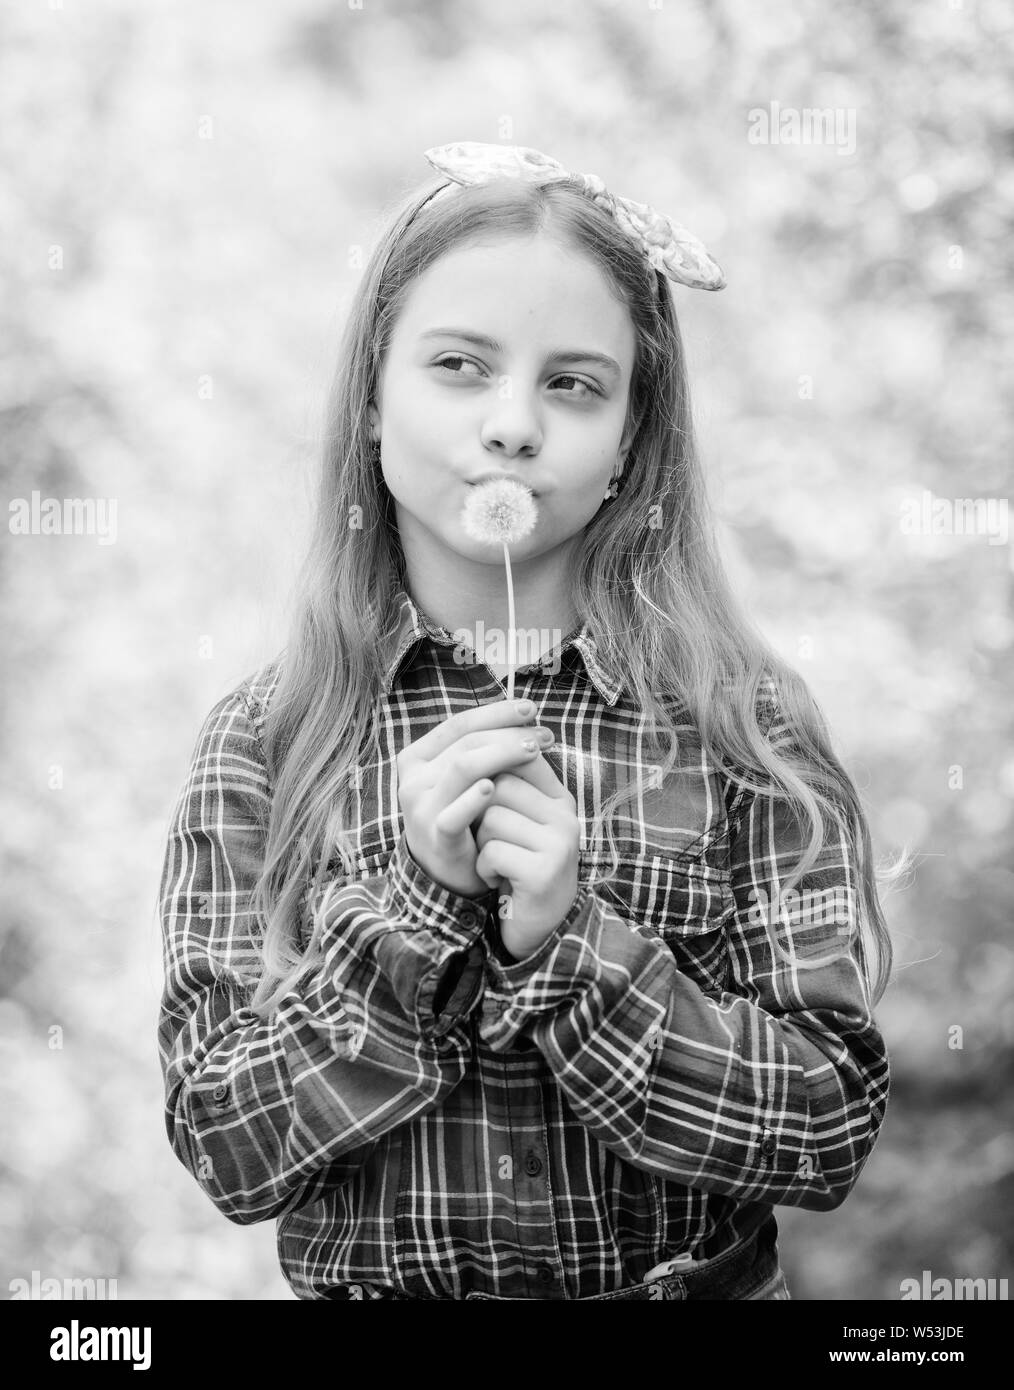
[{"x": 553, "y": 998}]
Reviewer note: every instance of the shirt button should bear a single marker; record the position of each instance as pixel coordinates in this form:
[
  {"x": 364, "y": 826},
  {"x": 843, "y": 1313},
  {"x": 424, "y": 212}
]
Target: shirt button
[
  {"x": 768, "y": 1144},
  {"x": 544, "y": 1274},
  {"x": 220, "y": 1092},
  {"x": 533, "y": 1164},
  {"x": 469, "y": 918}
]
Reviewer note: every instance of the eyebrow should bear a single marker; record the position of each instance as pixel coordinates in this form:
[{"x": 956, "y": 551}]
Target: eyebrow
[{"x": 568, "y": 357}]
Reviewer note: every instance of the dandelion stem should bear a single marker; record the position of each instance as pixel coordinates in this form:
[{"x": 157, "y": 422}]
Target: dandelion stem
[{"x": 511, "y": 633}]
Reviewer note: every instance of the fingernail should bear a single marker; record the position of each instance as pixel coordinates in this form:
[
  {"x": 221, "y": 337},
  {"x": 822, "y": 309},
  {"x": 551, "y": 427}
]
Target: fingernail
[
  {"x": 524, "y": 706},
  {"x": 546, "y": 737}
]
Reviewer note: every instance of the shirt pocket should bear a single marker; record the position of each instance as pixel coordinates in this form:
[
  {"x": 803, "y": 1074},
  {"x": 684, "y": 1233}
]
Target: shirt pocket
[{"x": 687, "y": 902}]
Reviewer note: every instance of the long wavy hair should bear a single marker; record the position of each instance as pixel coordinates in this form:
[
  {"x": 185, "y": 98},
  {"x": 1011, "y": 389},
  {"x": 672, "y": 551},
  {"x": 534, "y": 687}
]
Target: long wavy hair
[{"x": 656, "y": 596}]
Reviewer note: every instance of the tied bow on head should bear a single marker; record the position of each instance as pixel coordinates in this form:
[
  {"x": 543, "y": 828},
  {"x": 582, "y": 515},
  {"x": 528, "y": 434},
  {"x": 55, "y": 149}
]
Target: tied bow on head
[{"x": 670, "y": 248}]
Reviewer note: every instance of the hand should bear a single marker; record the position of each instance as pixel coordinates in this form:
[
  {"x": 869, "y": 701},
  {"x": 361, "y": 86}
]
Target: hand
[
  {"x": 528, "y": 841},
  {"x": 445, "y": 782}
]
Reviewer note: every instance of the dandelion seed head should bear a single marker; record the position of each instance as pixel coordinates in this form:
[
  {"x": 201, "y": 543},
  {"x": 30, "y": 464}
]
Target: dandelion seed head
[{"x": 499, "y": 510}]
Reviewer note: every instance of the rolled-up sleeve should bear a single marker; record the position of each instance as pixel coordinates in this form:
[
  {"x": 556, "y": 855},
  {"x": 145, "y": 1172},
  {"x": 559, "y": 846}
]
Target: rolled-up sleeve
[
  {"x": 773, "y": 1090},
  {"x": 425, "y": 939},
  {"x": 268, "y": 1115}
]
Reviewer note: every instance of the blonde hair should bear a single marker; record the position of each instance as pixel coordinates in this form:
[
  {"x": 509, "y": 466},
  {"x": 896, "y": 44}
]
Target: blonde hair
[{"x": 656, "y": 596}]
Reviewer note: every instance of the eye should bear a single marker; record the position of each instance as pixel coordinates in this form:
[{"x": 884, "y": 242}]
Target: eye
[
  {"x": 455, "y": 357},
  {"x": 580, "y": 382}
]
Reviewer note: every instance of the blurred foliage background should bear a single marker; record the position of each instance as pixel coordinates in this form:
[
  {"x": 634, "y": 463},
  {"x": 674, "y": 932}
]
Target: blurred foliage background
[{"x": 209, "y": 173}]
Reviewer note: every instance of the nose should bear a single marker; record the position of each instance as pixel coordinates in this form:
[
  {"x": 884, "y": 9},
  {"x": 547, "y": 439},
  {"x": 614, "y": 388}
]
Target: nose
[{"x": 512, "y": 426}]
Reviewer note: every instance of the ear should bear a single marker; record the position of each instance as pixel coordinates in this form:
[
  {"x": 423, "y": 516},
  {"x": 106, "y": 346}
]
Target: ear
[
  {"x": 373, "y": 415},
  {"x": 629, "y": 435}
]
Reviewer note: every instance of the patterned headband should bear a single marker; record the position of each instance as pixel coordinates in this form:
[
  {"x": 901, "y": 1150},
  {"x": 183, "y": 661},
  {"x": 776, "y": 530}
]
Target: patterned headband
[{"x": 670, "y": 248}]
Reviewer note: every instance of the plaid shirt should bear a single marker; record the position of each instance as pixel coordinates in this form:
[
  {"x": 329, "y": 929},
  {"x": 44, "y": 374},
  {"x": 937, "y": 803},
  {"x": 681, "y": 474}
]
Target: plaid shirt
[{"x": 423, "y": 1115}]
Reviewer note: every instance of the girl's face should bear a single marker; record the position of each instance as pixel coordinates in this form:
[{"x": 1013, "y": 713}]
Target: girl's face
[{"x": 514, "y": 358}]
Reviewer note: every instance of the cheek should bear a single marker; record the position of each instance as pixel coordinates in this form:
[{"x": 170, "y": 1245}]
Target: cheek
[
  {"x": 418, "y": 485},
  {"x": 394, "y": 474},
  {"x": 414, "y": 449},
  {"x": 406, "y": 464},
  {"x": 569, "y": 514},
  {"x": 586, "y": 494}
]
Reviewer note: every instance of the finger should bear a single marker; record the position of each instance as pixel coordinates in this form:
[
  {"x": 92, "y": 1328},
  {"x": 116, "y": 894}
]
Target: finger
[
  {"x": 494, "y": 881},
  {"x": 539, "y": 774},
  {"x": 489, "y": 759},
  {"x": 498, "y": 714},
  {"x": 513, "y": 792},
  {"x": 499, "y": 859},
  {"x": 456, "y": 818},
  {"x": 500, "y": 823},
  {"x": 486, "y": 738}
]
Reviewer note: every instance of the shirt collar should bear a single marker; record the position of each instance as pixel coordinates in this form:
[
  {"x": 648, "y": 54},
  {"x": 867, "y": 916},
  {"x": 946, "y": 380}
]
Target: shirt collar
[{"x": 412, "y": 625}]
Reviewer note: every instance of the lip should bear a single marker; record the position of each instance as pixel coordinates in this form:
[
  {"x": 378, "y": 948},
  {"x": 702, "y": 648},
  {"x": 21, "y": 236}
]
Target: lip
[{"x": 493, "y": 477}]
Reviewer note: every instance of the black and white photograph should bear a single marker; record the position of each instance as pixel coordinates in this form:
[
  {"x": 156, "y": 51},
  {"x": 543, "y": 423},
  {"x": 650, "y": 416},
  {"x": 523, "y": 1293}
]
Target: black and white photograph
[{"x": 507, "y": 647}]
